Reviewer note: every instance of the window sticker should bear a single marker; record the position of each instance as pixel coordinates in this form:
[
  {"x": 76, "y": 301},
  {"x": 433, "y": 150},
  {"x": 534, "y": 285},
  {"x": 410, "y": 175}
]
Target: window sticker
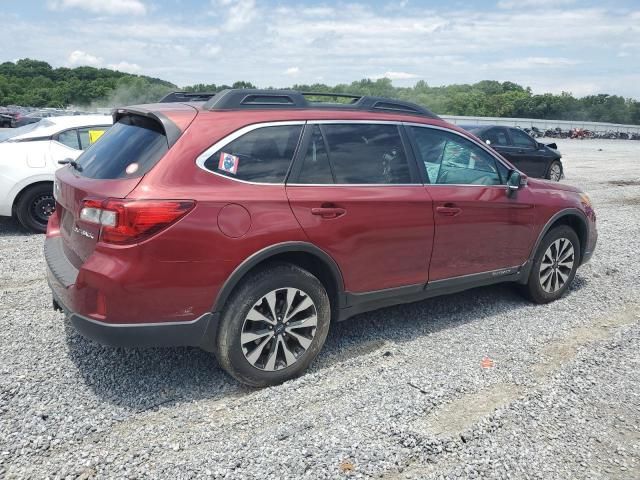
[
  {"x": 94, "y": 135},
  {"x": 228, "y": 163},
  {"x": 131, "y": 168}
]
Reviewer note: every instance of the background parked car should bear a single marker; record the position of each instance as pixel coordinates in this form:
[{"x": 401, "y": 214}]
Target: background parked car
[
  {"x": 22, "y": 119},
  {"x": 29, "y": 157},
  {"x": 10, "y": 113},
  {"x": 527, "y": 154}
]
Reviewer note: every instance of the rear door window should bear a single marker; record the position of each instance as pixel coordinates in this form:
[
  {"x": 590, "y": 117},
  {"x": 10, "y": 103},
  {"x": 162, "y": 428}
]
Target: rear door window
[
  {"x": 262, "y": 155},
  {"x": 129, "y": 149},
  {"x": 69, "y": 138},
  {"x": 367, "y": 154},
  {"x": 498, "y": 136},
  {"x": 90, "y": 135},
  {"x": 315, "y": 164}
]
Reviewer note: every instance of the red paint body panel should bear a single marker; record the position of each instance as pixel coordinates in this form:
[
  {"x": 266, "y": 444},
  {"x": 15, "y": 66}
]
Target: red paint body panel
[
  {"x": 491, "y": 230},
  {"x": 384, "y": 238},
  {"x": 388, "y": 236}
]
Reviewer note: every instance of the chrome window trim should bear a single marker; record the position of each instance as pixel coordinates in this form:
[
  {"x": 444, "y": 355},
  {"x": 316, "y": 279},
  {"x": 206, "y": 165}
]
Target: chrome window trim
[
  {"x": 204, "y": 156},
  {"x": 481, "y": 145},
  {"x": 371, "y": 122},
  {"x": 355, "y": 185}
]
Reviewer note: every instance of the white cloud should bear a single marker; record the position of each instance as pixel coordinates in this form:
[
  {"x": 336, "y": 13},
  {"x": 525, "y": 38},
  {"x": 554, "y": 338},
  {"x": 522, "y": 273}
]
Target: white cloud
[
  {"x": 238, "y": 13},
  {"x": 109, "y": 7},
  {"x": 292, "y": 71},
  {"x": 533, "y": 62},
  {"x": 318, "y": 11},
  {"x": 211, "y": 50},
  {"x": 125, "y": 67},
  {"x": 508, "y": 4},
  {"x": 396, "y": 76},
  {"x": 78, "y": 57}
]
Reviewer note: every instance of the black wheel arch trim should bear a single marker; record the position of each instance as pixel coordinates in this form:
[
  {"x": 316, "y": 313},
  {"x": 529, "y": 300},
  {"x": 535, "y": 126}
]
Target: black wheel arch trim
[
  {"x": 26, "y": 188},
  {"x": 574, "y": 212},
  {"x": 271, "y": 251}
]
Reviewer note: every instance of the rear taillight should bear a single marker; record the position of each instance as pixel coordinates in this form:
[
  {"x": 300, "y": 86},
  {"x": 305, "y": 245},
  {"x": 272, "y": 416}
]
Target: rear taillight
[{"x": 124, "y": 222}]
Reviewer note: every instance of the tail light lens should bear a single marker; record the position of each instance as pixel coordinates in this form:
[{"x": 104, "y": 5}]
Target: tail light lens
[{"x": 124, "y": 222}]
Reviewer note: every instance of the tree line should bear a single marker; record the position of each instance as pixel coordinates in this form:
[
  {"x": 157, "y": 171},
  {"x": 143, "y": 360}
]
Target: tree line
[{"x": 35, "y": 83}]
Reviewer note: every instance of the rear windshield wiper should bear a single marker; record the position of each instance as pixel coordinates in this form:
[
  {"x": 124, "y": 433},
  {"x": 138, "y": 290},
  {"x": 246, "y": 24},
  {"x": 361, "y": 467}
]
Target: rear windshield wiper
[{"x": 73, "y": 163}]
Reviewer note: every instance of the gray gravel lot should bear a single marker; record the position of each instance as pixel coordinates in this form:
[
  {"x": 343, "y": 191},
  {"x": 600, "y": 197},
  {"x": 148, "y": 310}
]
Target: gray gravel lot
[{"x": 398, "y": 393}]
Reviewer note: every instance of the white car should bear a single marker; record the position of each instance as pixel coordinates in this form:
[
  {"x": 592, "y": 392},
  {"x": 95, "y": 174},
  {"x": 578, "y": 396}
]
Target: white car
[{"x": 29, "y": 157}]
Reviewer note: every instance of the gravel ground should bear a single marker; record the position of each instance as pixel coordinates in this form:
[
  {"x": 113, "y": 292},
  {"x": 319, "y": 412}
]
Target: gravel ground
[{"x": 398, "y": 393}]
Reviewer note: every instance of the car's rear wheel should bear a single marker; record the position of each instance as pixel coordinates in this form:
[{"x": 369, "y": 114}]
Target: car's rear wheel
[
  {"x": 554, "y": 265},
  {"x": 273, "y": 326},
  {"x": 555, "y": 171},
  {"x": 35, "y": 206}
]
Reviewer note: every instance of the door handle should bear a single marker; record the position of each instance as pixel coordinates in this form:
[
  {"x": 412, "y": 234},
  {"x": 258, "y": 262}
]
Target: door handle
[
  {"x": 328, "y": 212},
  {"x": 449, "y": 210}
]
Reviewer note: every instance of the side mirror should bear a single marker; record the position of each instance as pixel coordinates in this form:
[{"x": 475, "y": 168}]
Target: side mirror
[{"x": 515, "y": 182}]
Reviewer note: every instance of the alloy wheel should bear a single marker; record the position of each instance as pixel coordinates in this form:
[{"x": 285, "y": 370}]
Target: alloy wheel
[
  {"x": 557, "y": 264},
  {"x": 555, "y": 172},
  {"x": 279, "y": 329}
]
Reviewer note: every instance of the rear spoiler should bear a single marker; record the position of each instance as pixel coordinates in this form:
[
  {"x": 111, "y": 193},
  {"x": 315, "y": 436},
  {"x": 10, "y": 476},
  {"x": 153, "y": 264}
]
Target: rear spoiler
[
  {"x": 171, "y": 130},
  {"x": 174, "y": 97}
]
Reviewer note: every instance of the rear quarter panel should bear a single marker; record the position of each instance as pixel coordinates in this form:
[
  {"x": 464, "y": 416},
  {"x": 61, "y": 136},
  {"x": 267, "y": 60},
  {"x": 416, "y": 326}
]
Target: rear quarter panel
[{"x": 193, "y": 257}]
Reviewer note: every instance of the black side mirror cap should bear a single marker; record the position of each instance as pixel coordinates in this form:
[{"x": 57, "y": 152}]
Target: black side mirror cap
[{"x": 515, "y": 182}]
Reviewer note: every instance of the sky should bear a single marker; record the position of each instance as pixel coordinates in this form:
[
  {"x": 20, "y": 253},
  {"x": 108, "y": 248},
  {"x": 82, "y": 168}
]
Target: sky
[{"x": 579, "y": 46}]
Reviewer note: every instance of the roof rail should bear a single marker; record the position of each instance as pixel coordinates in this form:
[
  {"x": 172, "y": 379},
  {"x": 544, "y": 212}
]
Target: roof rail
[
  {"x": 186, "y": 97},
  {"x": 248, "y": 99}
]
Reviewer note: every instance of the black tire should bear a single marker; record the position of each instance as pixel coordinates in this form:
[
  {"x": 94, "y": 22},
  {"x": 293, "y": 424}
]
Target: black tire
[
  {"x": 534, "y": 289},
  {"x": 229, "y": 348},
  {"x": 33, "y": 206},
  {"x": 554, "y": 166}
]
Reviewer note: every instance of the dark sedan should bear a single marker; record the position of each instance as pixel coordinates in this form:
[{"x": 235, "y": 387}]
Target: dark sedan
[{"x": 527, "y": 154}]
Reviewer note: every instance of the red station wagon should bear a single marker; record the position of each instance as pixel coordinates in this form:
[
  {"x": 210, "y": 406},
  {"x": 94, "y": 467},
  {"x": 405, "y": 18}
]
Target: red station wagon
[{"x": 246, "y": 224}]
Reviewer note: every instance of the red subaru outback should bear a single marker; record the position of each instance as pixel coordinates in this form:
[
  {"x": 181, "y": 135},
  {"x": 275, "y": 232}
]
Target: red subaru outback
[{"x": 247, "y": 224}]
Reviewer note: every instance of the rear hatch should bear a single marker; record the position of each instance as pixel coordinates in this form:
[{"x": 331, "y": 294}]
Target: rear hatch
[{"x": 109, "y": 169}]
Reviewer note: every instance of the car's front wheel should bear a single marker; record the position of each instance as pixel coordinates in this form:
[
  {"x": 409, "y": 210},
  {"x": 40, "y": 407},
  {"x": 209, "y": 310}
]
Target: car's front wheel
[
  {"x": 555, "y": 171},
  {"x": 273, "y": 326},
  {"x": 554, "y": 265},
  {"x": 35, "y": 206}
]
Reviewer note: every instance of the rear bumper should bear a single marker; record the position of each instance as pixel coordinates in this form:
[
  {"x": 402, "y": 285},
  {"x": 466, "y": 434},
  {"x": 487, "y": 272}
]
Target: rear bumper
[{"x": 61, "y": 276}]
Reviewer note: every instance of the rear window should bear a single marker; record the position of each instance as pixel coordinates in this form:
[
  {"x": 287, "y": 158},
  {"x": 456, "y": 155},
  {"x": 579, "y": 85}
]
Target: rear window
[
  {"x": 262, "y": 155},
  {"x": 129, "y": 149}
]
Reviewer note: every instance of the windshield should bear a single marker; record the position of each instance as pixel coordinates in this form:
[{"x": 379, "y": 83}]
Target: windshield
[
  {"x": 129, "y": 149},
  {"x": 14, "y": 132}
]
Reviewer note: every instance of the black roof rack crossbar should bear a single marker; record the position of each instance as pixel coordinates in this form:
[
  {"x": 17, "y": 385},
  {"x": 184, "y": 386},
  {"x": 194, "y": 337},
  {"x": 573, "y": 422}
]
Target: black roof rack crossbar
[
  {"x": 186, "y": 97},
  {"x": 247, "y": 99}
]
